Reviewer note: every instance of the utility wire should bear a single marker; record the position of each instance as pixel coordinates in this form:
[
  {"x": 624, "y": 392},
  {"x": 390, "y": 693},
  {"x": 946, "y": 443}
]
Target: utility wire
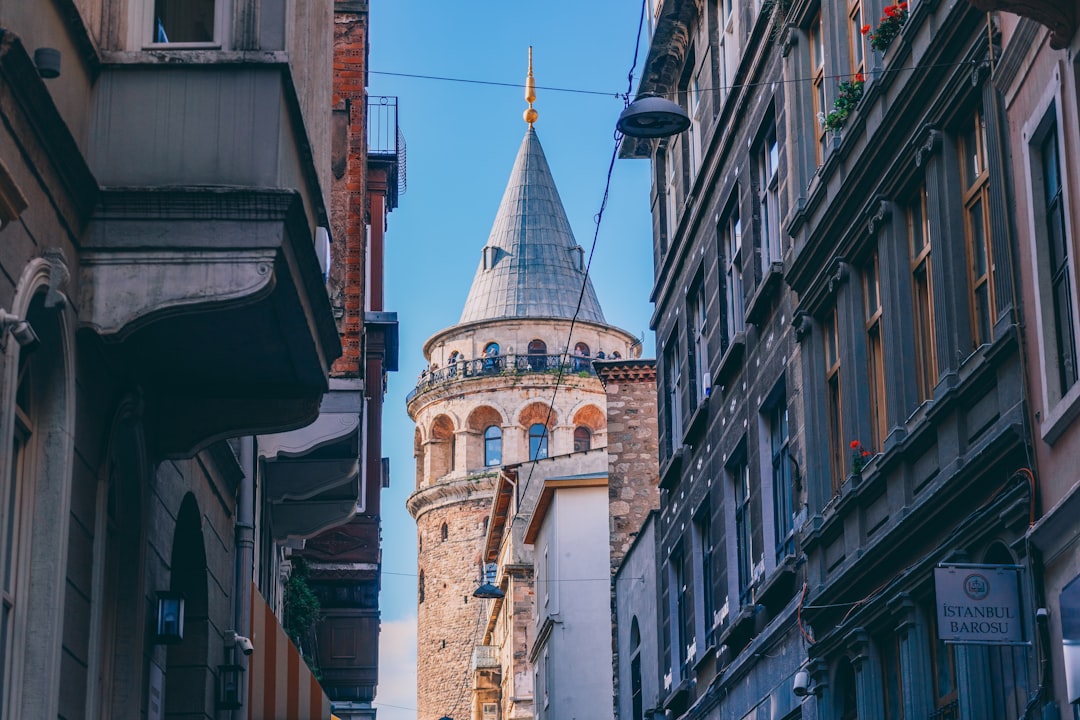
[
  {"x": 592, "y": 251},
  {"x": 625, "y": 96}
]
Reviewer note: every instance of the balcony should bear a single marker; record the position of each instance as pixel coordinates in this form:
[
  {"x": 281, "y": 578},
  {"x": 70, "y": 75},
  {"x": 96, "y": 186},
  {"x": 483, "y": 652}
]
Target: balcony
[
  {"x": 502, "y": 365},
  {"x": 386, "y": 144},
  {"x": 485, "y": 657}
]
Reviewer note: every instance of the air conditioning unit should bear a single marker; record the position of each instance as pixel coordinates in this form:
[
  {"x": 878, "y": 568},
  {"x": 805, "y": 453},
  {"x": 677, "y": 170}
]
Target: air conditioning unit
[{"x": 490, "y": 711}]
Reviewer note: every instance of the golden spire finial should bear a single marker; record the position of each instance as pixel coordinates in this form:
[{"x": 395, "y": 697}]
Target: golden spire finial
[{"x": 530, "y": 93}]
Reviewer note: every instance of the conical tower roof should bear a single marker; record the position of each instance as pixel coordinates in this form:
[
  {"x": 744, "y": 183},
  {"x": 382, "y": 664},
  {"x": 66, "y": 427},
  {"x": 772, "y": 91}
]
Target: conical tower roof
[{"x": 531, "y": 266}]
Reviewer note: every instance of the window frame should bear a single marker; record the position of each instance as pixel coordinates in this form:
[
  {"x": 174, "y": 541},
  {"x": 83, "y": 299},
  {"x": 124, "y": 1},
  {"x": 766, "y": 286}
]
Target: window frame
[
  {"x": 732, "y": 263},
  {"x": 783, "y": 494},
  {"x": 819, "y": 94},
  {"x": 976, "y": 193},
  {"x": 492, "y": 440},
  {"x": 875, "y": 351},
  {"x": 768, "y": 159},
  {"x": 143, "y": 30},
  {"x": 834, "y": 399},
  {"x": 856, "y": 45},
  {"x": 673, "y": 416},
  {"x": 538, "y": 441},
  {"x": 739, "y": 473},
  {"x": 698, "y": 323},
  {"x": 704, "y": 549},
  {"x": 922, "y": 294}
]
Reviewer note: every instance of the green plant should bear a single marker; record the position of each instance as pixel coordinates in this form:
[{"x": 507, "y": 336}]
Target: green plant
[
  {"x": 848, "y": 94},
  {"x": 888, "y": 27},
  {"x": 302, "y": 611}
]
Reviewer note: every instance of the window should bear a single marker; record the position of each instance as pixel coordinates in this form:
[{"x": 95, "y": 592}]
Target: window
[
  {"x": 703, "y": 551},
  {"x": 673, "y": 394},
  {"x": 492, "y": 361},
  {"x": 1055, "y": 248},
  {"x": 845, "y": 700},
  {"x": 699, "y": 344},
  {"x": 728, "y": 44},
  {"x": 492, "y": 446},
  {"x": 975, "y": 181},
  {"x": 420, "y": 589},
  {"x": 537, "y": 355},
  {"x": 636, "y": 697},
  {"x": 681, "y": 598},
  {"x": 538, "y": 441},
  {"x": 875, "y": 358},
  {"x": 581, "y": 354},
  {"x": 769, "y": 199},
  {"x": 891, "y": 678},
  {"x": 671, "y": 194},
  {"x": 745, "y": 549},
  {"x": 783, "y": 500},
  {"x": 444, "y": 532},
  {"x": 690, "y": 94},
  {"x": 582, "y": 439},
  {"x": 835, "y": 417},
  {"x": 943, "y": 671},
  {"x": 731, "y": 233},
  {"x": 856, "y": 49},
  {"x": 184, "y": 21},
  {"x": 18, "y": 479},
  {"x": 922, "y": 296},
  {"x": 817, "y": 74}
]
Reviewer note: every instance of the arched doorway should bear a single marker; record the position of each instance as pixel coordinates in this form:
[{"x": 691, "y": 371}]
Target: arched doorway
[{"x": 189, "y": 684}]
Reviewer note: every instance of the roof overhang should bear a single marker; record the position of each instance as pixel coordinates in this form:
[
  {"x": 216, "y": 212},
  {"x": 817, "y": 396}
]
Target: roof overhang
[
  {"x": 312, "y": 476},
  {"x": 547, "y": 495}
]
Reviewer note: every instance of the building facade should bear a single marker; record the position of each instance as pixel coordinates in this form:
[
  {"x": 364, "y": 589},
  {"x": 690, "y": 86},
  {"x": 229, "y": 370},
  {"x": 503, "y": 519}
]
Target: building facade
[
  {"x": 843, "y": 419},
  {"x": 512, "y": 381},
  {"x": 164, "y": 180},
  {"x": 1037, "y": 78}
]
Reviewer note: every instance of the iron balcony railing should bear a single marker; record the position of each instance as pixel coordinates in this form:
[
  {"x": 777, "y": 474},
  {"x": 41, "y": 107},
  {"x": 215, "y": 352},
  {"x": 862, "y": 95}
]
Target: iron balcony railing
[
  {"x": 384, "y": 137},
  {"x": 502, "y": 365}
]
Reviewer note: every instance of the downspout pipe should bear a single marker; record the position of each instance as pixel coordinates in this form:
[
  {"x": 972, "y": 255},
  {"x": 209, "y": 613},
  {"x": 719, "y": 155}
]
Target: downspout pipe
[{"x": 245, "y": 544}]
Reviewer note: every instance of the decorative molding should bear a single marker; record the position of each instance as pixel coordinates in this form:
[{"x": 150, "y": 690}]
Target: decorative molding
[
  {"x": 1060, "y": 16},
  {"x": 978, "y": 72},
  {"x": 791, "y": 39},
  {"x": 838, "y": 274},
  {"x": 803, "y": 324},
  {"x": 931, "y": 141},
  {"x": 881, "y": 210},
  {"x": 59, "y": 274},
  {"x": 451, "y": 492}
]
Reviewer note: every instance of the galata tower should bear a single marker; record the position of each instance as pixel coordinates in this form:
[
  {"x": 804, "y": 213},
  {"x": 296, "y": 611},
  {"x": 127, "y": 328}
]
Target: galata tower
[{"x": 510, "y": 382}]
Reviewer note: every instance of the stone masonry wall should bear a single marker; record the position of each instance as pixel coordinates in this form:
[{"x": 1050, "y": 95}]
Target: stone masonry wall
[{"x": 450, "y": 620}]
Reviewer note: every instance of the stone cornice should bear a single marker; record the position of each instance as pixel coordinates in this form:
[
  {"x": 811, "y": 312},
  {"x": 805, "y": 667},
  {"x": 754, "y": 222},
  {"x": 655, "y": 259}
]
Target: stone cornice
[
  {"x": 1060, "y": 16},
  {"x": 451, "y": 492}
]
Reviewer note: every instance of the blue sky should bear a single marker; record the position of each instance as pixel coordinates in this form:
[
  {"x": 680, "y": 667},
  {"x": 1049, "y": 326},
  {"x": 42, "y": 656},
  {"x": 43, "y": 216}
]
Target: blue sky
[{"x": 461, "y": 142}]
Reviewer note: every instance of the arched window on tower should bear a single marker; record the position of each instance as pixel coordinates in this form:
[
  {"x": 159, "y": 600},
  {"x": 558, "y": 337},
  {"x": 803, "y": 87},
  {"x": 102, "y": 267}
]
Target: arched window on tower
[
  {"x": 582, "y": 439},
  {"x": 537, "y": 355},
  {"x": 492, "y": 446},
  {"x": 538, "y": 442},
  {"x": 444, "y": 532},
  {"x": 581, "y": 357},
  {"x": 420, "y": 588}
]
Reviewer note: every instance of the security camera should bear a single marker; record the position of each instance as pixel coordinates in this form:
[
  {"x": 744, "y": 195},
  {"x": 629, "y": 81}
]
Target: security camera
[
  {"x": 244, "y": 644},
  {"x": 802, "y": 683},
  {"x": 239, "y": 641}
]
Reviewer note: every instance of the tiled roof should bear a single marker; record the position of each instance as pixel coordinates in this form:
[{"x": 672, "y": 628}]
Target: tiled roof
[{"x": 531, "y": 266}]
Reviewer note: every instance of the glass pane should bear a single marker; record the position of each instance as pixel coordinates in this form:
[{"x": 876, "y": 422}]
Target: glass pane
[
  {"x": 178, "y": 21},
  {"x": 969, "y": 155},
  {"x": 916, "y": 226},
  {"x": 978, "y": 238}
]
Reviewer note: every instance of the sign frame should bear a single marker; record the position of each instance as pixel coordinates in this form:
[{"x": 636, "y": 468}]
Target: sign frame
[{"x": 967, "y": 595}]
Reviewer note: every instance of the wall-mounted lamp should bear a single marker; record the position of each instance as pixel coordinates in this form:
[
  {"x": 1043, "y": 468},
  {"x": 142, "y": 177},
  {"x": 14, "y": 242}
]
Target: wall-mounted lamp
[
  {"x": 47, "y": 61},
  {"x": 170, "y": 617},
  {"x": 20, "y": 330},
  {"x": 488, "y": 590},
  {"x": 652, "y": 117},
  {"x": 801, "y": 686},
  {"x": 230, "y": 687}
]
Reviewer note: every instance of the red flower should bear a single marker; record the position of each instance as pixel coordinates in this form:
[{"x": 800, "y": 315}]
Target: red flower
[
  {"x": 866, "y": 453},
  {"x": 854, "y": 444},
  {"x": 859, "y": 77},
  {"x": 902, "y": 6},
  {"x": 865, "y": 29},
  {"x": 889, "y": 11}
]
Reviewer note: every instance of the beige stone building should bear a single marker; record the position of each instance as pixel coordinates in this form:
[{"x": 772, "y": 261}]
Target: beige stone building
[{"x": 513, "y": 381}]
